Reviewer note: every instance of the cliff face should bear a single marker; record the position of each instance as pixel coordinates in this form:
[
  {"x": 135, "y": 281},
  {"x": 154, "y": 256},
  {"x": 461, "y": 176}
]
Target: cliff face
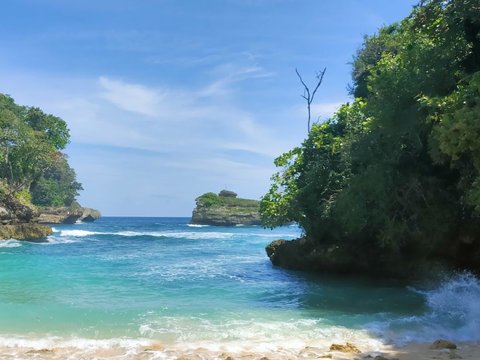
[
  {"x": 225, "y": 209},
  {"x": 18, "y": 221}
]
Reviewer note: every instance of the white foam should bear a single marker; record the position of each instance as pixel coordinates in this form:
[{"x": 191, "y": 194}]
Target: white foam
[
  {"x": 192, "y": 235},
  {"x": 78, "y": 233},
  {"x": 178, "y": 235},
  {"x": 10, "y": 243},
  {"x": 453, "y": 313},
  {"x": 197, "y": 225},
  {"x": 126, "y": 348},
  {"x": 53, "y": 240},
  {"x": 457, "y": 301}
]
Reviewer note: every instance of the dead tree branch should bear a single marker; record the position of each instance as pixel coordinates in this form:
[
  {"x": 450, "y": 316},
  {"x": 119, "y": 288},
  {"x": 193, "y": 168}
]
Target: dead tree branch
[{"x": 309, "y": 96}]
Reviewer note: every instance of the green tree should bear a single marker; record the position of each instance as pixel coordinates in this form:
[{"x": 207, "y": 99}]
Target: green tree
[
  {"x": 30, "y": 160},
  {"x": 396, "y": 174}
]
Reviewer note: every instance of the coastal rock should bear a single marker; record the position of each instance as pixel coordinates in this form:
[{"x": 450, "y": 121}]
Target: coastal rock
[
  {"x": 90, "y": 215},
  {"x": 12, "y": 211},
  {"x": 306, "y": 254},
  {"x": 443, "y": 344},
  {"x": 17, "y": 221},
  {"x": 225, "y": 210},
  {"x": 67, "y": 215},
  {"x": 348, "y": 348},
  {"x": 60, "y": 215},
  {"x": 26, "y": 231}
]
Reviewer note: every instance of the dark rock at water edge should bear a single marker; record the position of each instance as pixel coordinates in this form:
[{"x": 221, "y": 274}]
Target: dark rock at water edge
[
  {"x": 308, "y": 255},
  {"x": 225, "y": 209}
]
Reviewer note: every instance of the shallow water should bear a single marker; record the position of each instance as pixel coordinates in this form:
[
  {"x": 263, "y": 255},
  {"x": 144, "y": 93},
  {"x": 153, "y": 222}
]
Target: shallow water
[{"x": 134, "y": 282}]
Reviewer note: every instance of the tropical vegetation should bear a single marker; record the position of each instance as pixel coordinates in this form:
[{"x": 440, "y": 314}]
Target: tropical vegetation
[
  {"x": 394, "y": 175},
  {"x": 32, "y": 166}
]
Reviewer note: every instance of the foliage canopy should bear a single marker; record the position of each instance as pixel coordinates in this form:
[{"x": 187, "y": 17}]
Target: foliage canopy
[
  {"x": 395, "y": 174},
  {"x": 31, "y": 164}
]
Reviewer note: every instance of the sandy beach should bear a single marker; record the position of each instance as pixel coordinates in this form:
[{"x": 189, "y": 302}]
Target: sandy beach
[{"x": 413, "y": 351}]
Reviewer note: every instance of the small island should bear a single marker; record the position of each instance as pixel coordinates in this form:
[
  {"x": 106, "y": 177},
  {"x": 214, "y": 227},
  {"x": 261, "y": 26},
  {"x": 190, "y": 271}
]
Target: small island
[{"x": 225, "y": 209}]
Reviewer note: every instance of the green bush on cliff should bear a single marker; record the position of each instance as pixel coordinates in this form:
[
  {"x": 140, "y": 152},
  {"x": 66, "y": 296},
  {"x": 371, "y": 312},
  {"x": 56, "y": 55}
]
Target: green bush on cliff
[
  {"x": 208, "y": 199},
  {"x": 211, "y": 199},
  {"x": 31, "y": 164},
  {"x": 395, "y": 174}
]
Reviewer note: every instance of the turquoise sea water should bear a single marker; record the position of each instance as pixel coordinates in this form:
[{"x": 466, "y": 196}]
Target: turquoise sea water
[{"x": 161, "y": 279}]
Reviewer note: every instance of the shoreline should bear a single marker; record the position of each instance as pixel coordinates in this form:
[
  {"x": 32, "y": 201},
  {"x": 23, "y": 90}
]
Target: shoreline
[{"x": 139, "y": 349}]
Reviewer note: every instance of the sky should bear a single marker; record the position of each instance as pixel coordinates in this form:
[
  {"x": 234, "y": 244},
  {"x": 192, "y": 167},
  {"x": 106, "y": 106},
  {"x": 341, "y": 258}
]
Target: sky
[{"x": 168, "y": 99}]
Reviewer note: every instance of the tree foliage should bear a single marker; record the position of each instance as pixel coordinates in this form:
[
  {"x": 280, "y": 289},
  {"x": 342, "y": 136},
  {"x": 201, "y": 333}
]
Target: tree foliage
[
  {"x": 395, "y": 173},
  {"x": 30, "y": 158}
]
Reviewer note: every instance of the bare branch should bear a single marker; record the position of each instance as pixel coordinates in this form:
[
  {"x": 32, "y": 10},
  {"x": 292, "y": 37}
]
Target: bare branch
[
  {"x": 306, "y": 93},
  {"x": 320, "y": 79}
]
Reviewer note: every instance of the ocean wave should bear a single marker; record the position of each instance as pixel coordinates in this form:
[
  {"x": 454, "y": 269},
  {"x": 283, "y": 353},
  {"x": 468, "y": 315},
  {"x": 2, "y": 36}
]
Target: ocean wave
[
  {"x": 79, "y": 233},
  {"x": 160, "y": 234},
  {"x": 193, "y": 235},
  {"x": 54, "y": 240},
  {"x": 128, "y": 348},
  {"x": 453, "y": 312},
  {"x": 10, "y": 243},
  {"x": 197, "y": 225},
  {"x": 177, "y": 235}
]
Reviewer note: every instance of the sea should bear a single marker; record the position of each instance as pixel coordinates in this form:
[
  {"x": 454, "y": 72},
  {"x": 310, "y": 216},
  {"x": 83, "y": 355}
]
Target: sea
[{"x": 162, "y": 287}]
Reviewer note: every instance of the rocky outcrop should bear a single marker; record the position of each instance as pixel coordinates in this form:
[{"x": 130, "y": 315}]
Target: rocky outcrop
[
  {"x": 60, "y": 215},
  {"x": 90, "y": 215},
  {"x": 67, "y": 215},
  {"x": 18, "y": 221},
  {"x": 225, "y": 209},
  {"x": 26, "y": 231},
  {"x": 307, "y": 255}
]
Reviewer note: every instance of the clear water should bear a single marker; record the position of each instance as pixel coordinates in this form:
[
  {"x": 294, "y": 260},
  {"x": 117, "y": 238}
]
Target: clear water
[{"x": 161, "y": 279}]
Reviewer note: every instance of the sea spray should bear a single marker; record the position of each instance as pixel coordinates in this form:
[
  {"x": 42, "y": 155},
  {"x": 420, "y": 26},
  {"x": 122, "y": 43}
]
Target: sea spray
[
  {"x": 455, "y": 307},
  {"x": 452, "y": 312}
]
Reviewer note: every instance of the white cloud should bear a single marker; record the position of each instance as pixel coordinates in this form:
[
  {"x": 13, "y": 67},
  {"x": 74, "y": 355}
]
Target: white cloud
[
  {"x": 179, "y": 137},
  {"x": 131, "y": 97}
]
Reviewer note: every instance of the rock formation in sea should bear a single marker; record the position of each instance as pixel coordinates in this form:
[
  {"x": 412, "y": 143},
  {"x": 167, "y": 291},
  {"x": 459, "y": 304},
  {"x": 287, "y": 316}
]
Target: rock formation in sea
[
  {"x": 26, "y": 222},
  {"x": 225, "y": 209},
  {"x": 19, "y": 221},
  {"x": 67, "y": 215},
  {"x": 90, "y": 215}
]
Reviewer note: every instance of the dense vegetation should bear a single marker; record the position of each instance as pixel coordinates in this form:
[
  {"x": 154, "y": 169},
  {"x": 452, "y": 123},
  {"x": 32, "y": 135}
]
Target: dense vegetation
[
  {"x": 211, "y": 199},
  {"x": 32, "y": 166},
  {"x": 394, "y": 176}
]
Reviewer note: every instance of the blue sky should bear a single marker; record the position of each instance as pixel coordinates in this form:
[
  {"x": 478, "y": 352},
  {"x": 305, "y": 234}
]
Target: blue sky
[{"x": 168, "y": 99}]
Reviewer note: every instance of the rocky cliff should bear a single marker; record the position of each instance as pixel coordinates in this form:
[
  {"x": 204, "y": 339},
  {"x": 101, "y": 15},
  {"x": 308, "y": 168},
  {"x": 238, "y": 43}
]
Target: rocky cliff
[
  {"x": 225, "y": 209},
  {"x": 19, "y": 221}
]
